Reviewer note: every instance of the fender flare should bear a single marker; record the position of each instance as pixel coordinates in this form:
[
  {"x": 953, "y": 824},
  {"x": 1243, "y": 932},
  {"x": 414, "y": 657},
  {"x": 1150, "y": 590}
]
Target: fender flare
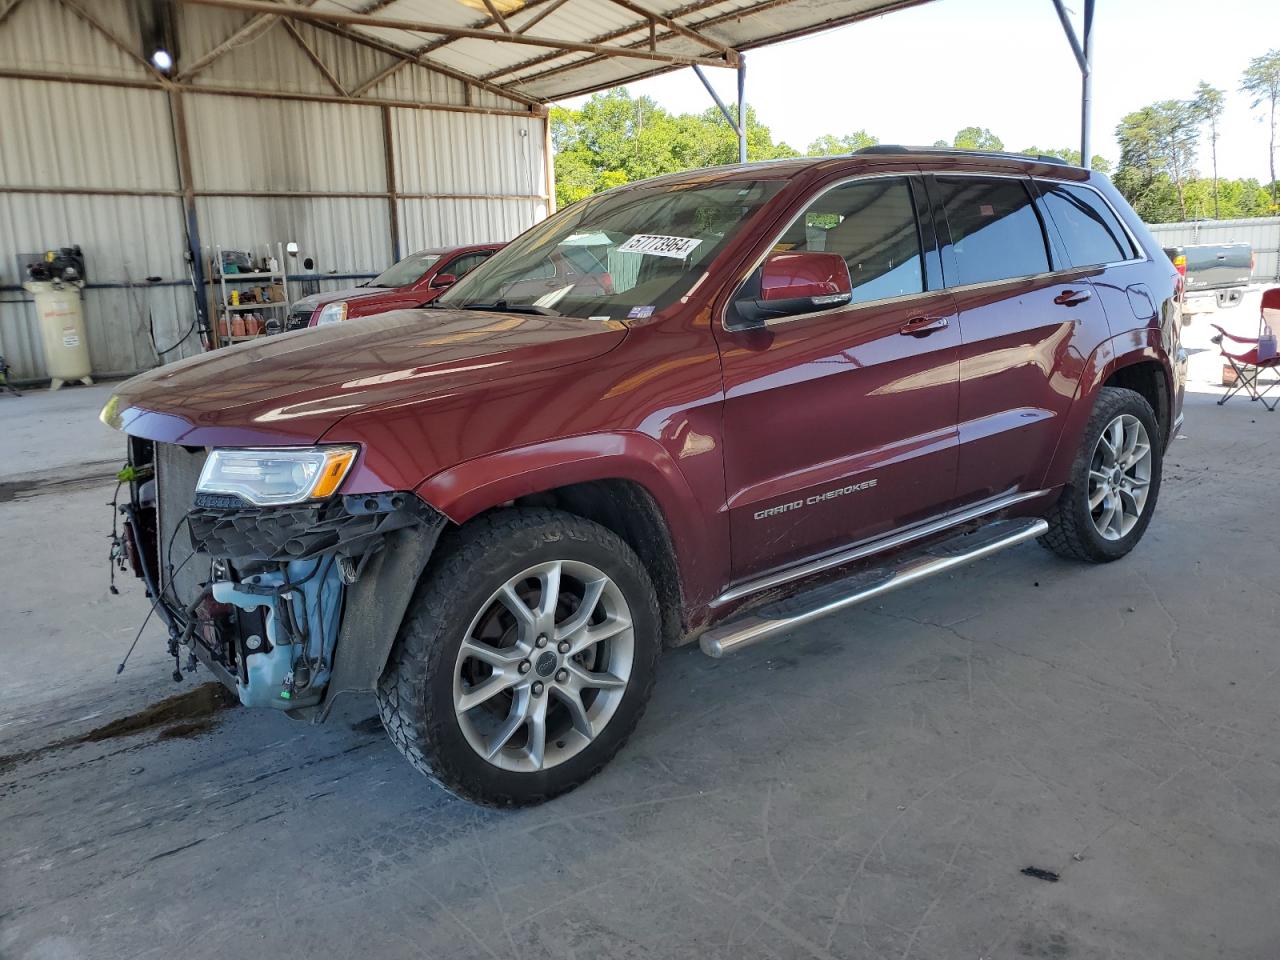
[
  {"x": 1143, "y": 345},
  {"x": 473, "y": 486}
]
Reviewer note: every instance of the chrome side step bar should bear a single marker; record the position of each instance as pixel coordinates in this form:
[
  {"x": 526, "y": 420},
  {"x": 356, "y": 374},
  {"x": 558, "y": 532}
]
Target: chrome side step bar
[
  {"x": 776, "y": 618},
  {"x": 899, "y": 538}
]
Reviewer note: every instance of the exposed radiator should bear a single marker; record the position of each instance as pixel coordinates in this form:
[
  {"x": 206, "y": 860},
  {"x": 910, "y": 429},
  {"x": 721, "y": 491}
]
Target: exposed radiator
[{"x": 176, "y": 474}]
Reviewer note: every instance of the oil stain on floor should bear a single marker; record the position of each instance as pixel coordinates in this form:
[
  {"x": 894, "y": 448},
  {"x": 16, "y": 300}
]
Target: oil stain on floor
[{"x": 186, "y": 714}]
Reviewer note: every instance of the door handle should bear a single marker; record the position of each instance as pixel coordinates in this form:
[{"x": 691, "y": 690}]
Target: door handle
[
  {"x": 923, "y": 326},
  {"x": 1070, "y": 298}
]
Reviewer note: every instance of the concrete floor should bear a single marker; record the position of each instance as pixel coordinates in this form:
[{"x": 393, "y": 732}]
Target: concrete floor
[{"x": 871, "y": 787}]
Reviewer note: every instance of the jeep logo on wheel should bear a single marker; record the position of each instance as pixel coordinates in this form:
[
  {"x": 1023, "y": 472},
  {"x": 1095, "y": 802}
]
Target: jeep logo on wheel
[{"x": 546, "y": 664}]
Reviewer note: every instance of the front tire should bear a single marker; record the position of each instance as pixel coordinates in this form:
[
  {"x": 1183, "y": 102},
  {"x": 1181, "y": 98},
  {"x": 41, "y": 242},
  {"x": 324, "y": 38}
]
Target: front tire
[
  {"x": 1111, "y": 495},
  {"x": 525, "y": 660}
]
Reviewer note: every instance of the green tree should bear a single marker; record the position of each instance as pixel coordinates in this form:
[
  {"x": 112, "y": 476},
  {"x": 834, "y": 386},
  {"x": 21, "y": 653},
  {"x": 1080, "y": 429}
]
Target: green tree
[
  {"x": 615, "y": 138},
  {"x": 1227, "y": 199},
  {"x": 1208, "y": 105},
  {"x": 1072, "y": 156},
  {"x": 977, "y": 138},
  {"x": 1159, "y": 139},
  {"x": 1261, "y": 81},
  {"x": 829, "y": 145}
]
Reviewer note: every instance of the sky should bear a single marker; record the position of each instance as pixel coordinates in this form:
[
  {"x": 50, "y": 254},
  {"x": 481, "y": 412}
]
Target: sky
[{"x": 921, "y": 74}]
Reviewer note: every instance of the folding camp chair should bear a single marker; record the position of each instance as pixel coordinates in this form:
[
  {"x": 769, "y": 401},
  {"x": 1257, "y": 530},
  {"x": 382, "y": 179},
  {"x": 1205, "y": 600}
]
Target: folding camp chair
[{"x": 1260, "y": 354}]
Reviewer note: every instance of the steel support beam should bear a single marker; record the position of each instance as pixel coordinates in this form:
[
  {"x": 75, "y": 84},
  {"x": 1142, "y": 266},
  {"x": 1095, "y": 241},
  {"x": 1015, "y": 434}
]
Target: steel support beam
[
  {"x": 690, "y": 8},
  {"x": 250, "y": 30},
  {"x": 498, "y": 18},
  {"x": 1086, "y": 90},
  {"x": 733, "y": 123},
  {"x": 546, "y": 11},
  {"x": 373, "y": 43},
  {"x": 699, "y": 5},
  {"x": 393, "y": 202},
  {"x": 315, "y": 58},
  {"x": 6, "y": 9},
  {"x": 252, "y": 94},
  {"x": 449, "y": 30},
  {"x": 721, "y": 48},
  {"x": 116, "y": 41},
  {"x": 1083, "y": 61},
  {"x": 742, "y": 109},
  {"x": 182, "y": 157},
  {"x": 737, "y": 123},
  {"x": 547, "y": 7}
]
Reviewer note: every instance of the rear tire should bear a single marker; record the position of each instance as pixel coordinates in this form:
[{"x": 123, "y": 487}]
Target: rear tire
[
  {"x": 1111, "y": 494},
  {"x": 500, "y": 688}
]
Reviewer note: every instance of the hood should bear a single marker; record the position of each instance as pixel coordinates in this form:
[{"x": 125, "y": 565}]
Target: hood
[
  {"x": 292, "y": 387},
  {"x": 347, "y": 293}
]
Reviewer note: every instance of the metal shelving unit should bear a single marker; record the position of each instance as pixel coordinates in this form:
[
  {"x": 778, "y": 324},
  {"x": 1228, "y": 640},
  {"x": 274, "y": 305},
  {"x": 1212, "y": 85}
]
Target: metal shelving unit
[{"x": 228, "y": 286}]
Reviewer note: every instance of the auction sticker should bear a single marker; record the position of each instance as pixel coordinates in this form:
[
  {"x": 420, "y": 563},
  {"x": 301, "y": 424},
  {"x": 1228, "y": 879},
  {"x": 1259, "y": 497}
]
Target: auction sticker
[{"x": 659, "y": 246}]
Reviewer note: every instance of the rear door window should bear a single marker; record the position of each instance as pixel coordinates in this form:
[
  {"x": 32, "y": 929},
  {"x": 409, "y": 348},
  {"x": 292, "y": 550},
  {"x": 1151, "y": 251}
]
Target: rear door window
[
  {"x": 872, "y": 224},
  {"x": 995, "y": 230},
  {"x": 466, "y": 263},
  {"x": 1090, "y": 230}
]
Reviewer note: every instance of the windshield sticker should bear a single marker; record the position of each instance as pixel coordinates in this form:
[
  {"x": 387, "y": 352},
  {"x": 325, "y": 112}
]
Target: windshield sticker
[
  {"x": 658, "y": 246},
  {"x": 639, "y": 313}
]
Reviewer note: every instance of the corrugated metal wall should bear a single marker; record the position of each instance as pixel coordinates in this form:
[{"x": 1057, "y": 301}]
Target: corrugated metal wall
[
  {"x": 264, "y": 169},
  {"x": 1262, "y": 233}
]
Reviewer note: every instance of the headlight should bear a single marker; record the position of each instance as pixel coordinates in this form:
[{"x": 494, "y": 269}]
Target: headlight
[
  {"x": 271, "y": 477},
  {"x": 333, "y": 313}
]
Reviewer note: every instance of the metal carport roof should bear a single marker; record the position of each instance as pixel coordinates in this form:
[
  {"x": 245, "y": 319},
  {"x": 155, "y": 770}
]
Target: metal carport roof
[
  {"x": 547, "y": 50},
  {"x": 538, "y": 51}
]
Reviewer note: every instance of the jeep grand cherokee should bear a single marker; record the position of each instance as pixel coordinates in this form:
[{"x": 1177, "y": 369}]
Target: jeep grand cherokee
[{"x": 711, "y": 406}]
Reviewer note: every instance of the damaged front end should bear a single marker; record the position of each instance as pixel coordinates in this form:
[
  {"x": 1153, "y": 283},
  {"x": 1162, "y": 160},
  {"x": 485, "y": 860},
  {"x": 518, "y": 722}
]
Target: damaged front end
[{"x": 289, "y": 605}]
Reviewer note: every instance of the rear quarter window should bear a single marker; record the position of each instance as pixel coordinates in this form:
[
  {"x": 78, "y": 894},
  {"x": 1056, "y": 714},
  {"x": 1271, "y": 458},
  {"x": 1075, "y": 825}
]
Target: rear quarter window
[
  {"x": 995, "y": 230},
  {"x": 1090, "y": 230}
]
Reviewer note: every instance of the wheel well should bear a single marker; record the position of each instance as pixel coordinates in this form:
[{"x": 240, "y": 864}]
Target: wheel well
[
  {"x": 1148, "y": 379},
  {"x": 629, "y": 510}
]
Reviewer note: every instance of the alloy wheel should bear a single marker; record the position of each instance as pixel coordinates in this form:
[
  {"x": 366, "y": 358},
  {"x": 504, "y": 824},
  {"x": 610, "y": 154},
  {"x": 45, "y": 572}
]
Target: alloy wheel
[
  {"x": 1119, "y": 477},
  {"x": 543, "y": 666}
]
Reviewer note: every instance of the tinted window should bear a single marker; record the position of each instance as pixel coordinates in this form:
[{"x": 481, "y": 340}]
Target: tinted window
[
  {"x": 1090, "y": 230},
  {"x": 466, "y": 263},
  {"x": 872, "y": 224},
  {"x": 995, "y": 230}
]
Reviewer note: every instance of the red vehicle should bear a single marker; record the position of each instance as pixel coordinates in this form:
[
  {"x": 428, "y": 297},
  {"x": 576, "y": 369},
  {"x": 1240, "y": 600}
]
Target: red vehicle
[
  {"x": 754, "y": 396},
  {"x": 412, "y": 282}
]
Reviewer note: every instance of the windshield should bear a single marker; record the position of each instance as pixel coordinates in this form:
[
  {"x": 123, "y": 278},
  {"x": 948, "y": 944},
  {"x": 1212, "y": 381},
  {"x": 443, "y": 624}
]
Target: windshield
[
  {"x": 622, "y": 255},
  {"x": 407, "y": 271}
]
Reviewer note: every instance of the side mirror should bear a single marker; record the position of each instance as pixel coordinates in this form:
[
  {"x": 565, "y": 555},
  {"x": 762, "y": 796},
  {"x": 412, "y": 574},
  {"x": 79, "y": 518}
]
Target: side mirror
[
  {"x": 443, "y": 280},
  {"x": 790, "y": 283}
]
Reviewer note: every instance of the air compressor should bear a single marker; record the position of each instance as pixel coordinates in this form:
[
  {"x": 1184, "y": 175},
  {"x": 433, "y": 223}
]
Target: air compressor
[{"x": 56, "y": 282}]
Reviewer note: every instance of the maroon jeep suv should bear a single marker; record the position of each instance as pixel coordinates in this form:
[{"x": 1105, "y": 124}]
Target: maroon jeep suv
[
  {"x": 412, "y": 282},
  {"x": 711, "y": 406}
]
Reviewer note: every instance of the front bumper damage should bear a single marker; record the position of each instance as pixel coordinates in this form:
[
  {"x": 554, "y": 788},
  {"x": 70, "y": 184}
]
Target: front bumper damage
[{"x": 289, "y": 606}]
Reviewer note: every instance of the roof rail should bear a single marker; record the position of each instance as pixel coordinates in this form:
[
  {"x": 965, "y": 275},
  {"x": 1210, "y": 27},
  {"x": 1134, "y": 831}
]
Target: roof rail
[{"x": 893, "y": 148}]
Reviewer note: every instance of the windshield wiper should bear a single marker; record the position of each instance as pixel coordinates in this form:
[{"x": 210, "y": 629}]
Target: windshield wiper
[{"x": 501, "y": 306}]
